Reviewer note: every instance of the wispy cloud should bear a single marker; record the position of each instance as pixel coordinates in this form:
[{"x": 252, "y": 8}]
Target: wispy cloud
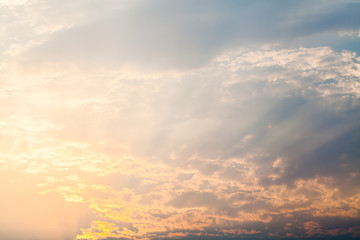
[{"x": 188, "y": 34}]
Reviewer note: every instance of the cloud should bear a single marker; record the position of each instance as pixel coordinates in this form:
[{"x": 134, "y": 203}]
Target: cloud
[
  {"x": 253, "y": 140},
  {"x": 195, "y": 199},
  {"x": 185, "y": 34},
  {"x": 249, "y": 136}
]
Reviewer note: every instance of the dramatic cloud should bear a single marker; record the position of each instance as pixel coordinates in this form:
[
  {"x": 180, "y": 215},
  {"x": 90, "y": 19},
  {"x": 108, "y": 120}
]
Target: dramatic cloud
[{"x": 179, "y": 120}]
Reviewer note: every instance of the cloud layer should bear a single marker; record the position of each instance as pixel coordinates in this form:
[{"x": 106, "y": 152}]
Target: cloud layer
[
  {"x": 188, "y": 34},
  {"x": 181, "y": 120}
]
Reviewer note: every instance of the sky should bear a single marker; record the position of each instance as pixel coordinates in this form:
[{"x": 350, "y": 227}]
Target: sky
[{"x": 179, "y": 119}]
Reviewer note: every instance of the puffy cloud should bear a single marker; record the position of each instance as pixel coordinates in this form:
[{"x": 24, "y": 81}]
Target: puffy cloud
[{"x": 251, "y": 141}]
